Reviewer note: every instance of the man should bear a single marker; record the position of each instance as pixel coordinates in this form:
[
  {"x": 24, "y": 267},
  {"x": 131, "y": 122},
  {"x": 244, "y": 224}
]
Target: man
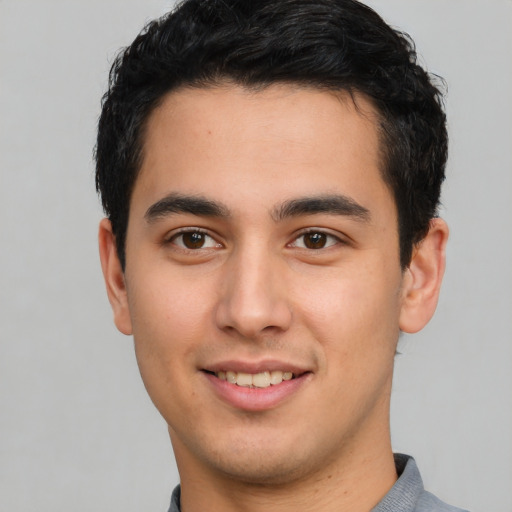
[{"x": 271, "y": 173}]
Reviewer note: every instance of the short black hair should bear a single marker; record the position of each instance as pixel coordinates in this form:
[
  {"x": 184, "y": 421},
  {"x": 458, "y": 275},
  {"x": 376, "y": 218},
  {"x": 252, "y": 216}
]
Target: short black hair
[{"x": 336, "y": 45}]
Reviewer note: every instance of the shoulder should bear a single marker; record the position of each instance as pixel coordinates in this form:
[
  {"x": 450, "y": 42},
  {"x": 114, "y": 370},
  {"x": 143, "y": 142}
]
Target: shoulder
[
  {"x": 427, "y": 502},
  {"x": 408, "y": 493}
]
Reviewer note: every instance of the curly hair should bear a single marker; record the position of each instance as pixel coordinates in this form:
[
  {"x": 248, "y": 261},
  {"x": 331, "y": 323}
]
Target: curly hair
[{"x": 338, "y": 45}]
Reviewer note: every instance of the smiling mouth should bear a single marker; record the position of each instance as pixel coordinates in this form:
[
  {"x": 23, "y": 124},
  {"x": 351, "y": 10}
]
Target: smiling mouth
[{"x": 254, "y": 380}]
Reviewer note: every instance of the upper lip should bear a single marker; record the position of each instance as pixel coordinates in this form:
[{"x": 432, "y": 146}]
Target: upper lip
[{"x": 254, "y": 367}]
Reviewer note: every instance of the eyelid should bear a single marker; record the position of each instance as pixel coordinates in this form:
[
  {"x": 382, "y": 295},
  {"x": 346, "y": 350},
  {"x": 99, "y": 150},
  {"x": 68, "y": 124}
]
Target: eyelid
[
  {"x": 187, "y": 229},
  {"x": 340, "y": 238},
  {"x": 175, "y": 233}
]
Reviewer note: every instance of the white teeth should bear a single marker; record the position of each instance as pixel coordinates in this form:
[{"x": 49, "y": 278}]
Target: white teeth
[
  {"x": 276, "y": 377},
  {"x": 261, "y": 380},
  {"x": 244, "y": 379},
  {"x": 257, "y": 380}
]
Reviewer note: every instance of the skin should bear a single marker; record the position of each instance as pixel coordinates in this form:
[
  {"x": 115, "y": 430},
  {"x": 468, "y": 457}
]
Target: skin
[{"x": 255, "y": 292}]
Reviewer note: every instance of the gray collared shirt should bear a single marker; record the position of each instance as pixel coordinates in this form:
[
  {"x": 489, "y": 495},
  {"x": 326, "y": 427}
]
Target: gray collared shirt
[{"x": 407, "y": 495}]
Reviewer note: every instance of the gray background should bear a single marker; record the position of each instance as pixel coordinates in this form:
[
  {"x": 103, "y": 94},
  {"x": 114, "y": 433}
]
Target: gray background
[{"x": 77, "y": 431}]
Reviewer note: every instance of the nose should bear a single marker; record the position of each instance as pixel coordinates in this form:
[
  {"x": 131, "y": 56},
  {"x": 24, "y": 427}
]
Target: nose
[{"x": 253, "y": 299}]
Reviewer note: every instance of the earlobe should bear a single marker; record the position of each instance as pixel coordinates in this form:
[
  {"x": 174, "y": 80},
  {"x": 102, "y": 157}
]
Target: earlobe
[
  {"x": 422, "y": 280},
  {"x": 114, "y": 277}
]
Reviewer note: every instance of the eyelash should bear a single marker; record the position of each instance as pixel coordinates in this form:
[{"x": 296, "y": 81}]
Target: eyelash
[
  {"x": 327, "y": 239},
  {"x": 191, "y": 231},
  {"x": 335, "y": 240}
]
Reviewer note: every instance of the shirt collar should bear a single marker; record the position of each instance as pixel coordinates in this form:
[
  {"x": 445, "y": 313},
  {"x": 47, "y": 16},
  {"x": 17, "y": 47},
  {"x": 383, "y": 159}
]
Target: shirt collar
[{"x": 404, "y": 495}]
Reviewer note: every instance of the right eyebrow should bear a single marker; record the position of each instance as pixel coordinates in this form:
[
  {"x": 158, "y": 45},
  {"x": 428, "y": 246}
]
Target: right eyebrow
[{"x": 182, "y": 203}]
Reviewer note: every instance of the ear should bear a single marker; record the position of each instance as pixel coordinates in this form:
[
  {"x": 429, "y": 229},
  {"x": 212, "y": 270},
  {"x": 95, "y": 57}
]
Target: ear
[
  {"x": 422, "y": 279},
  {"x": 114, "y": 277}
]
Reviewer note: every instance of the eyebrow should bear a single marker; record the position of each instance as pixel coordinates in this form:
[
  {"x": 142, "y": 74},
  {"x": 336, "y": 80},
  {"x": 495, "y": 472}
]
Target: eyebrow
[
  {"x": 176, "y": 203},
  {"x": 329, "y": 204},
  {"x": 180, "y": 203}
]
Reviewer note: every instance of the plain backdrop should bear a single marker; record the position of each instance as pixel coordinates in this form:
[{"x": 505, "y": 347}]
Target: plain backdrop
[{"x": 77, "y": 431}]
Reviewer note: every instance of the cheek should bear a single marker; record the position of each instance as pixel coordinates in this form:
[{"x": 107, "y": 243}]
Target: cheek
[
  {"x": 167, "y": 309},
  {"x": 354, "y": 314},
  {"x": 170, "y": 319},
  {"x": 166, "y": 329}
]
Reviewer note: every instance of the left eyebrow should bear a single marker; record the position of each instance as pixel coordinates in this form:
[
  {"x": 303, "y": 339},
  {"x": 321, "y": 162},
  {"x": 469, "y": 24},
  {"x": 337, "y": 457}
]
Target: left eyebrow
[
  {"x": 329, "y": 204},
  {"x": 181, "y": 203}
]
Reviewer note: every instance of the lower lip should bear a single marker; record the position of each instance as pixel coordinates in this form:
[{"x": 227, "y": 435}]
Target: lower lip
[{"x": 256, "y": 399}]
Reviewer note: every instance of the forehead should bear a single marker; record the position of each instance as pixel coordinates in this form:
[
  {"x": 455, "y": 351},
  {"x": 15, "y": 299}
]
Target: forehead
[{"x": 280, "y": 141}]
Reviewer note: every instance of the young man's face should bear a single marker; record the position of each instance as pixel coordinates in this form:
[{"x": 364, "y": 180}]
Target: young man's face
[{"x": 262, "y": 241}]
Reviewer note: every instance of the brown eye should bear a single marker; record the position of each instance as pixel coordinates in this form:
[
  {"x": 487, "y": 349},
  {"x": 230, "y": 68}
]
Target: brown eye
[
  {"x": 194, "y": 240},
  {"x": 315, "y": 240}
]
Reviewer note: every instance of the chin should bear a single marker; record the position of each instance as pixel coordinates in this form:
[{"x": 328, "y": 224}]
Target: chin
[
  {"x": 262, "y": 461},
  {"x": 272, "y": 471}
]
